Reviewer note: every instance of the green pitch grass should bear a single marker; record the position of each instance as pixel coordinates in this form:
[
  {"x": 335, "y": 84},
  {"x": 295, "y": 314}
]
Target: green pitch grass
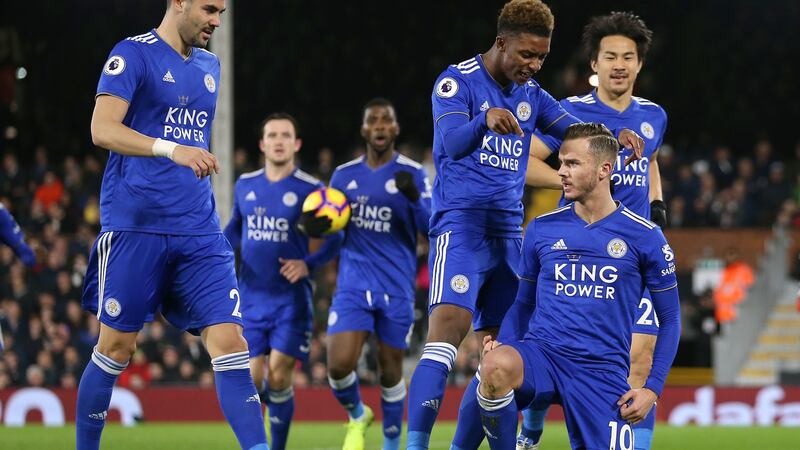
[{"x": 328, "y": 436}]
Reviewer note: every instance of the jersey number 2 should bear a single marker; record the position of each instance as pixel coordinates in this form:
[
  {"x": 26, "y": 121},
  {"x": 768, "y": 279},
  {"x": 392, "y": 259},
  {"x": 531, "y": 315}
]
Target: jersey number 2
[
  {"x": 645, "y": 318},
  {"x": 235, "y": 296}
]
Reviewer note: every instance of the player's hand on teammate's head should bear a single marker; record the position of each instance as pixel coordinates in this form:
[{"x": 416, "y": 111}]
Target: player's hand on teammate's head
[
  {"x": 635, "y": 404},
  {"x": 502, "y": 121},
  {"x": 313, "y": 225},
  {"x": 404, "y": 181},
  {"x": 200, "y": 161},
  {"x": 658, "y": 213},
  {"x": 632, "y": 141}
]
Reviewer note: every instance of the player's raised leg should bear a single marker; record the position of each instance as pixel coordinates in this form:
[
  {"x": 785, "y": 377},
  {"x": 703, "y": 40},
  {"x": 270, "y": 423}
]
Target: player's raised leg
[{"x": 344, "y": 349}]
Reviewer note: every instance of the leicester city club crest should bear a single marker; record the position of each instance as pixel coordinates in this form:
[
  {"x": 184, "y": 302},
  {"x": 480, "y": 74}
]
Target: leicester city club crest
[
  {"x": 459, "y": 283},
  {"x": 523, "y": 111},
  {"x": 647, "y": 130},
  {"x": 617, "y": 248},
  {"x": 211, "y": 85}
]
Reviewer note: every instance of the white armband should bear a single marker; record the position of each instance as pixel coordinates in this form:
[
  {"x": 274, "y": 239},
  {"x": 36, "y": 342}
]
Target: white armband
[{"x": 164, "y": 148}]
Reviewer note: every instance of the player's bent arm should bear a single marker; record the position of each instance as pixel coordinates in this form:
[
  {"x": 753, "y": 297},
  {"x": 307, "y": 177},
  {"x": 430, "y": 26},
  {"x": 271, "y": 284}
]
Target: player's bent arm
[
  {"x": 515, "y": 322},
  {"x": 668, "y": 310},
  {"x": 460, "y": 135},
  {"x": 110, "y": 133},
  {"x": 539, "y": 173},
  {"x": 329, "y": 249}
]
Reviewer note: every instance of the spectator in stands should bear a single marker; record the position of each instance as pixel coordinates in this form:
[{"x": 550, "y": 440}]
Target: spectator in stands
[
  {"x": 722, "y": 167},
  {"x": 737, "y": 277}
]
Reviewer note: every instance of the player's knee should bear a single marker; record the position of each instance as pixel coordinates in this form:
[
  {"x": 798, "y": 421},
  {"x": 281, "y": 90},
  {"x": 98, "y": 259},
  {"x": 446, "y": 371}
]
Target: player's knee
[
  {"x": 448, "y": 323},
  {"x": 338, "y": 370},
  {"x": 225, "y": 339},
  {"x": 391, "y": 377},
  {"x": 279, "y": 379},
  {"x": 118, "y": 350},
  {"x": 498, "y": 372}
]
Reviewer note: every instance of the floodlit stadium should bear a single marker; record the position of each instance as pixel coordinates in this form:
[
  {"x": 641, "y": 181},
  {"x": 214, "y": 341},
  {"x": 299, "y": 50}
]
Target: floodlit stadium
[{"x": 521, "y": 224}]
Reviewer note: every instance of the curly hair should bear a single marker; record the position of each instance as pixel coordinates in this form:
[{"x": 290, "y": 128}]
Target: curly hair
[
  {"x": 619, "y": 23},
  {"x": 525, "y": 16}
]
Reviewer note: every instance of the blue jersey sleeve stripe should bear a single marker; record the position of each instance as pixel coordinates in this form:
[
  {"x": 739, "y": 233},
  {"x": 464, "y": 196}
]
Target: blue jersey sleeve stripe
[
  {"x": 544, "y": 130},
  {"x": 452, "y": 112},
  {"x": 112, "y": 95},
  {"x": 674, "y": 285}
]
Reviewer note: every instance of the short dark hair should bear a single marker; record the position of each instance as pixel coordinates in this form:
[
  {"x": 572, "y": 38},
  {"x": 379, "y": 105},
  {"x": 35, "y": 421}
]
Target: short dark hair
[
  {"x": 602, "y": 144},
  {"x": 279, "y": 116},
  {"x": 619, "y": 23},
  {"x": 525, "y": 16},
  {"x": 377, "y": 101}
]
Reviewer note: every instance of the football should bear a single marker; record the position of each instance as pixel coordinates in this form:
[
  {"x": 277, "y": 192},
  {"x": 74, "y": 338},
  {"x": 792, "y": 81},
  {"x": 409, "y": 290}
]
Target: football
[{"x": 329, "y": 202}]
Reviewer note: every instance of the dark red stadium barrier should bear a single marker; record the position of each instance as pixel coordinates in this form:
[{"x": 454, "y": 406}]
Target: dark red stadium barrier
[{"x": 772, "y": 405}]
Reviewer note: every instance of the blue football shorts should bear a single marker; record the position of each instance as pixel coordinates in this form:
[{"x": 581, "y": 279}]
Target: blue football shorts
[
  {"x": 281, "y": 323},
  {"x": 589, "y": 397},
  {"x": 476, "y": 272},
  {"x": 390, "y": 317},
  {"x": 190, "y": 279}
]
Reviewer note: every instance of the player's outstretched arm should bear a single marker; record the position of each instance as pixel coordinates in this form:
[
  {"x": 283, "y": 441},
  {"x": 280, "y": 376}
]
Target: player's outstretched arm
[
  {"x": 539, "y": 173},
  {"x": 110, "y": 133}
]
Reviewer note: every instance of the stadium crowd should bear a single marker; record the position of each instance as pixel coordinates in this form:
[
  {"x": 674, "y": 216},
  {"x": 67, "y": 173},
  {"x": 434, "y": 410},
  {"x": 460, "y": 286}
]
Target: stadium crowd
[{"x": 49, "y": 338}]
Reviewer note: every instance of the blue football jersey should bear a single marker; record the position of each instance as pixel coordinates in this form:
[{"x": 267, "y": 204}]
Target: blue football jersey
[
  {"x": 379, "y": 249},
  {"x": 649, "y": 120},
  {"x": 171, "y": 98},
  {"x": 482, "y": 192},
  {"x": 589, "y": 280},
  {"x": 263, "y": 224}
]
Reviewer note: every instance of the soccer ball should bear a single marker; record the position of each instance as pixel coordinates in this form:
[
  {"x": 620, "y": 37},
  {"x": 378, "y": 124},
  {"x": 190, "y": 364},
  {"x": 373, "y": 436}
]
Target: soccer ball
[{"x": 329, "y": 202}]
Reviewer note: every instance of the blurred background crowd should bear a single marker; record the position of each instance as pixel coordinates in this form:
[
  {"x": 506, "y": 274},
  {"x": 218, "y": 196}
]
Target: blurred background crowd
[{"x": 54, "y": 198}]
